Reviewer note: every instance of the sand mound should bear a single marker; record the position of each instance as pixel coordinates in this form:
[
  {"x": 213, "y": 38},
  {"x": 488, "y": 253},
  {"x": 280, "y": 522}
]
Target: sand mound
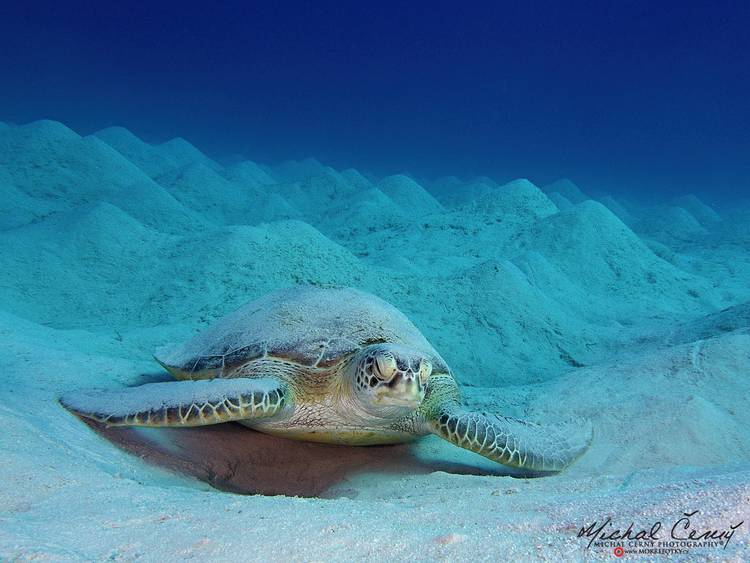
[
  {"x": 567, "y": 189},
  {"x": 17, "y": 208},
  {"x": 670, "y": 225},
  {"x": 734, "y": 226},
  {"x": 72, "y": 269},
  {"x": 713, "y": 325},
  {"x": 591, "y": 246},
  {"x": 237, "y": 263},
  {"x": 486, "y": 180},
  {"x": 147, "y": 157},
  {"x": 617, "y": 208},
  {"x": 51, "y": 164},
  {"x": 248, "y": 173},
  {"x": 276, "y": 208},
  {"x": 299, "y": 170},
  {"x": 702, "y": 212},
  {"x": 203, "y": 190},
  {"x": 683, "y": 397},
  {"x": 562, "y": 202},
  {"x": 46, "y": 159},
  {"x": 314, "y": 195},
  {"x": 365, "y": 211},
  {"x": 183, "y": 153},
  {"x": 496, "y": 328},
  {"x": 408, "y": 194},
  {"x": 451, "y": 191},
  {"x": 519, "y": 200},
  {"x": 356, "y": 179},
  {"x": 446, "y": 188}
]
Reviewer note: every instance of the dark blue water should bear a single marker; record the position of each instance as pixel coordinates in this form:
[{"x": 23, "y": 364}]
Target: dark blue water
[{"x": 622, "y": 97}]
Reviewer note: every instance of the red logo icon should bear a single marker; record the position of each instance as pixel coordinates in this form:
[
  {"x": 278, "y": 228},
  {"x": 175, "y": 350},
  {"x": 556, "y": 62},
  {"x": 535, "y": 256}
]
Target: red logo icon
[{"x": 619, "y": 552}]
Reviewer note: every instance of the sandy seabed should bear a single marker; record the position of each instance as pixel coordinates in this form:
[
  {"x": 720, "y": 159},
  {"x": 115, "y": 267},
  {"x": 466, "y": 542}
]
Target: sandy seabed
[{"x": 548, "y": 303}]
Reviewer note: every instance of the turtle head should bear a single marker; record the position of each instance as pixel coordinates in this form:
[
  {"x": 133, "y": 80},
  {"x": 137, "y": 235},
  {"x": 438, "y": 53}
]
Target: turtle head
[{"x": 391, "y": 380}]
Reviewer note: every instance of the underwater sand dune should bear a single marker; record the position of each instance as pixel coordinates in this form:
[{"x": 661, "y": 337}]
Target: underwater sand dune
[
  {"x": 183, "y": 153},
  {"x": 546, "y": 303},
  {"x": 702, "y": 212},
  {"x": 315, "y": 194},
  {"x": 356, "y": 179},
  {"x": 220, "y": 201},
  {"x": 452, "y": 191},
  {"x": 670, "y": 225},
  {"x": 54, "y": 166},
  {"x": 248, "y": 172},
  {"x": 567, "y": 189},
  {"x": 367, "y": 210},
  {"x": 150, "y": 159},
  {"x": 591, "y": 246},
  {"x": 519, "y": 201},
  {"x": 562, "y": 202},
  {"x": 299, "y": 170},
  {"x": 96, "y": 265},
  {"x": 616, "y": 207},
  {"x": 409, "y": 195}
]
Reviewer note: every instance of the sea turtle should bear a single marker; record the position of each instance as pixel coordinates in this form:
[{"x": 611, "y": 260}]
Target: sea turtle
[{"x": 326, "y": 365}]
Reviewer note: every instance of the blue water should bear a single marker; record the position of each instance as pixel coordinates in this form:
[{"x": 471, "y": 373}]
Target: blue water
[{"x": 631, "y": 97}]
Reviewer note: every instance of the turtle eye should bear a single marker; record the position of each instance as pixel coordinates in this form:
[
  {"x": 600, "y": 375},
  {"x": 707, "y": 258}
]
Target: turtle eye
[
  {"x": 425, "y": 370},
  {"x": 386, "y": 366}
]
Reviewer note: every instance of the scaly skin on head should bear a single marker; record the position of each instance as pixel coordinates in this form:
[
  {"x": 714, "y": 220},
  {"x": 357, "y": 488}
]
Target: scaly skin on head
[{"x": 389, "y": 381}]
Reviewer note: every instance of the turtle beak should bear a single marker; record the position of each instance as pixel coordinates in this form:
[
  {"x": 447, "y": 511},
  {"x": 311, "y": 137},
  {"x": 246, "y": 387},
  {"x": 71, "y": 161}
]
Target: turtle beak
[{"x": 402, "y": 391}]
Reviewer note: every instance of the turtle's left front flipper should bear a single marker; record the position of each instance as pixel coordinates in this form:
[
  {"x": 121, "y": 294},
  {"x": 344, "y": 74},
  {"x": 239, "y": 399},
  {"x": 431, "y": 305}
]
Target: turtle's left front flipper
[
  {"x": 181, "y": 403},
  {"x": 512, "y": 442}
]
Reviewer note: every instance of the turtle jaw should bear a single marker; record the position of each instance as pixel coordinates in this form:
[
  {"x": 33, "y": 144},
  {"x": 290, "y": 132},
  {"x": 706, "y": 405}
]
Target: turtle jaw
[
  {"x": 405, "y": 394},
  {"x": 387, "y": 403}
]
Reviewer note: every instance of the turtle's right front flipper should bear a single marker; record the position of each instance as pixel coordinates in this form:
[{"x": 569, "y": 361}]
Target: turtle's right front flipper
[{"x": 181, "y": 403}]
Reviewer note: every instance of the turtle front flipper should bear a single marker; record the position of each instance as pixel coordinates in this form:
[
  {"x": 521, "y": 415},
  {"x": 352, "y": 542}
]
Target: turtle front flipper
[
  {"x": 512, "y": 442},
  {"x": 181, "y": 403}
]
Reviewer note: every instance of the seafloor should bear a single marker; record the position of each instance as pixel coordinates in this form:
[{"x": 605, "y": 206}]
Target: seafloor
[{"x": 548, "y": 304}]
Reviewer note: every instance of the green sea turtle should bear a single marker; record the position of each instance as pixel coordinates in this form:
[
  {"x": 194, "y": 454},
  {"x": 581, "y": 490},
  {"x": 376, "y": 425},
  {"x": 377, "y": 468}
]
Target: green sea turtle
[{"x": 326, "y": 365}]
